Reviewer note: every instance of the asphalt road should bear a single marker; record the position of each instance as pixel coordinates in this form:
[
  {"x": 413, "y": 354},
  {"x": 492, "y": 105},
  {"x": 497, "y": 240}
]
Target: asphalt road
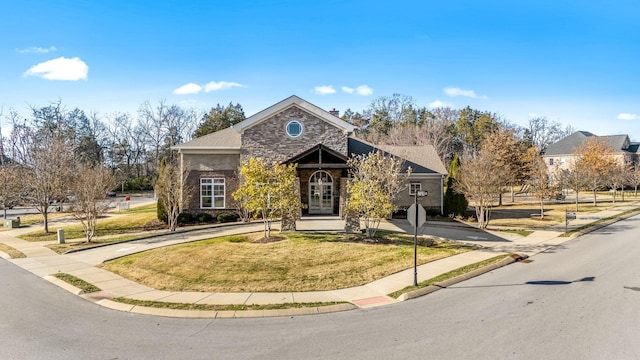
[{"x": 580, "y": 300}]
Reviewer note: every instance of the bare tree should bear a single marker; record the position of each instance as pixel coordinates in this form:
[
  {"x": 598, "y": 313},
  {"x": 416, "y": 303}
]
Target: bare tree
[
  {"x": 538, "y": 178},
  {"x": 89, "y": 186},
  {"x": 171, "y": 190},
  {"x": 47, "y": 173},
  {"x": 633, "y": 177},
  {"x": 11, "y": 186},
  {"x": 541, "y": 132}
]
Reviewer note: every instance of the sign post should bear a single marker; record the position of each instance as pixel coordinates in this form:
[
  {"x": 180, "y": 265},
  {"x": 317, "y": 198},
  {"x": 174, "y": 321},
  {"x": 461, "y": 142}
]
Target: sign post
[{"x": 417, "y": 216}]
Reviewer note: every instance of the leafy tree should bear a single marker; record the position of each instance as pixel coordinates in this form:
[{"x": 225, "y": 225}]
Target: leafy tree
[
  {"x": 480, "y": 182},
  {"x": 376, "y": 180},
  {"x": 595, "y": 158},
  {"x": 171, "y": 192},
  {"x": 219, "y": 118},
  {"x": 454, "y": 203},
  {"x": 507, "y": 158},
  {"x": 89, "y": 186},
  {"x": 267, "y": 190},
  {"x": 473, "y": 126}
]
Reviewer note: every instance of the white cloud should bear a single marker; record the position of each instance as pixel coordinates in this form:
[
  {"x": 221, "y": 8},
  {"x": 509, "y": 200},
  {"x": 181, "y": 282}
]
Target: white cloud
[
  {"x": 60, "y": 69},
  {"x": 347, "y": 89},
  {"x": 364, "y": 90},
  {"x": 221, "y": 85},
  {"x": 627, "y": 116},
  {"x": 187, "y": 89},
  {"x": 453, "y": 91},
  {"x": 438, "y": 103},
  {"x": 37, "y": 50},
  {"x": 324, "y": 90}
]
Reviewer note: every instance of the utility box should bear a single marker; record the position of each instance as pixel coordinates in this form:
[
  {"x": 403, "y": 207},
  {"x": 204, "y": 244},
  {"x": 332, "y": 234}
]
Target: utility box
[{"x": 11, "y": 223}]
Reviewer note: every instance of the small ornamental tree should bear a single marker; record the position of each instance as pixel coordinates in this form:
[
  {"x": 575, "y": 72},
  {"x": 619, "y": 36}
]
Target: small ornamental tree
[
  {"x": 538, "y": 178},
  {"x": 596, "y": 161},
  {"x": 481, "y": 183},
  {"x": 269, "y": 191},
  {"x": 376, "y": 181},
  {"x": 172, "y": 194},
  {"x": 89, "y": 188}
]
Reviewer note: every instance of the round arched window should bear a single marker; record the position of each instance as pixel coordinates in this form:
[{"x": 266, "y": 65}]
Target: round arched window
[{"x": 294, "y": 128}]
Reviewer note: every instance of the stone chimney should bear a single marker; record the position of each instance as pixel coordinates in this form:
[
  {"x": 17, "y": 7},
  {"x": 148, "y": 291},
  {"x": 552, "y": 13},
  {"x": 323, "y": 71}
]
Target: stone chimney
[{"x": 335, "y": 112}]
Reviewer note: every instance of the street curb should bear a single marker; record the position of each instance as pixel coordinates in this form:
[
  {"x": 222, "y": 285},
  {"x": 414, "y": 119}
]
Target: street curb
[
  {"x": 64, "y": 285},
  {"x": 446, "y": 283},
  {"x": 4, "y": 255},
  {"x": 228, "y": 314}
]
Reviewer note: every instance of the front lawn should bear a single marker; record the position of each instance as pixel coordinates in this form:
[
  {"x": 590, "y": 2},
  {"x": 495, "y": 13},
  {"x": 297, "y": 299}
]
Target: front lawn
[
  {"x": 299, "y": 262},
  {"x": 131, "y": 223}
]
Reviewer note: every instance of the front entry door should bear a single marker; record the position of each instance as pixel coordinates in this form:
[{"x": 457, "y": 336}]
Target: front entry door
[{"x": 320, "y": 193}]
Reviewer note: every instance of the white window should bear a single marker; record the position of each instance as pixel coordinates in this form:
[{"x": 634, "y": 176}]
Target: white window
[
  {"x": 212, "y": 193},
  {"x": 562, "y": 161},
  {"x": 414, "y": 187}
]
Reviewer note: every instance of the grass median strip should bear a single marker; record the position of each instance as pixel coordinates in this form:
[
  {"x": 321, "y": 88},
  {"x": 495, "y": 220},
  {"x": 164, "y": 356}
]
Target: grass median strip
[
  {"x": 77, "y": 282},
  {"x": 602, "y": 221},
  {"x": 451, "y": 274},
  {"x": 213, "y": 307},
  {"x": 13, "y": 252}
]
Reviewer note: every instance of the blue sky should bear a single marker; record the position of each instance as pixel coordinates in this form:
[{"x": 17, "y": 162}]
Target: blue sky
[{"x": 575, "y": 62}]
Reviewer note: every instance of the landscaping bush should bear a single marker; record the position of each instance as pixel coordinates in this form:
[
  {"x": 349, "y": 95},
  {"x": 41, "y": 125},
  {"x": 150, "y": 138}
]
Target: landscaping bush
[
  {"x": 204, "y": 218},
  {"x": 162, "y": 212},
  {"x": 227, "y": 217},
  {"x": 185, "y": 218}
]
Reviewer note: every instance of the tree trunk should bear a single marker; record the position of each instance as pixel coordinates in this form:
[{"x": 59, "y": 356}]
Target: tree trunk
[
  {"x": 541, "y": 209},
  {"x": 595, "y": 203}
]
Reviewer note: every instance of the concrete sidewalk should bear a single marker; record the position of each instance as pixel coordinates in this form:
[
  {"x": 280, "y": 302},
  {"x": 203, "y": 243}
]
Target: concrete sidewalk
[{"x": 43, "y": 262}]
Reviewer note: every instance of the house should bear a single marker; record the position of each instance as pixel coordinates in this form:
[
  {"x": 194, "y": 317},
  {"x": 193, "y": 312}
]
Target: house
[
  {"x": 560, "y": 155},
  {"x": 296, "y": 131}
]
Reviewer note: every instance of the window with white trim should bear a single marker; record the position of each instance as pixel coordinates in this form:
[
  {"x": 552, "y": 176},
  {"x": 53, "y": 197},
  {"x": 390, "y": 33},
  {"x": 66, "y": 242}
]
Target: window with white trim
[
  {"x": 212, "y": 193},
  {"x": 414, "y": 187}
]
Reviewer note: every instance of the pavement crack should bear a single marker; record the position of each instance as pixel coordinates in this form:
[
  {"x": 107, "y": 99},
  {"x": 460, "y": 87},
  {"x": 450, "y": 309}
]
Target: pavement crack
[{"x": 201, "y": 330}]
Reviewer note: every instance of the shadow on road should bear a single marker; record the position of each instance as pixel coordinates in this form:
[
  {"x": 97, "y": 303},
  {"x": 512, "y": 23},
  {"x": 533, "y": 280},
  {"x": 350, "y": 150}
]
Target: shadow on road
[{"x": 537, "y": 282}]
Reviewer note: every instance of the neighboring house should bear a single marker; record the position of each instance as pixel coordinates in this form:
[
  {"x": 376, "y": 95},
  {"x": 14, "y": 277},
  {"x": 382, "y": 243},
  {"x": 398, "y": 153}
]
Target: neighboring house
[
  {"x": 296, "y": 131},
  {"x": 560, "y": 155}
]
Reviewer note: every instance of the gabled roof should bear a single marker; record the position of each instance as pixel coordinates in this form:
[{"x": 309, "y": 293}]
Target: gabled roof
[
  {"x": 423, "y": 159},
  {"x": 290, "y": 102},
  {"x": 569, "y": 144},
  {"x": 227, "y": 138}
]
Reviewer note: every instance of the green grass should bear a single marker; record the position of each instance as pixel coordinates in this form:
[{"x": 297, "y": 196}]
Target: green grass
[
  {"x": 298, "y": 262},
  {"x": 13, "y": 252},
  {"x": 212, "y": 307},
  {"x": 518, "y": 231},
  {"x": 135, "y": 222},
  {"x": 449, "y": 275},
  {"x": 79, "y": 283}
]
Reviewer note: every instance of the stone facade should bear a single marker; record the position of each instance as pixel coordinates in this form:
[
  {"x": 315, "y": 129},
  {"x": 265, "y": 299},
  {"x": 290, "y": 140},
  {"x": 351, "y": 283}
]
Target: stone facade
[
  {"x": 268, "y": 139},
  {"x": 305, "y": 174}
]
